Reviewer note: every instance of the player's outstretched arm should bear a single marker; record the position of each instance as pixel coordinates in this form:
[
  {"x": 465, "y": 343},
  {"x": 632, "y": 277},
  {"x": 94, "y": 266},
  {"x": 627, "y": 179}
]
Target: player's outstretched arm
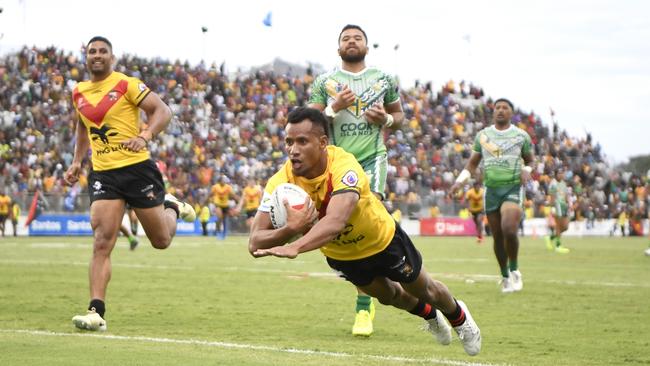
[
  {"x": 264, "y": 236},
  {"x": 329, "y": 226}
]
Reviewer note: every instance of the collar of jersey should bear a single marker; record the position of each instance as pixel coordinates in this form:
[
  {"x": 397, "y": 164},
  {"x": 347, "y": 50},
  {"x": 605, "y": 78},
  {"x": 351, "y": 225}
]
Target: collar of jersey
[
  {"x": 494, "y": 127},
  {"x": 355, "y": 73}
]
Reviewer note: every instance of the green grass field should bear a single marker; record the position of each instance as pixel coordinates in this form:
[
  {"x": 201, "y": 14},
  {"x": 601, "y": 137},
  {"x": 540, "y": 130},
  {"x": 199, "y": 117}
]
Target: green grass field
[{"x": 208, "y": 302}]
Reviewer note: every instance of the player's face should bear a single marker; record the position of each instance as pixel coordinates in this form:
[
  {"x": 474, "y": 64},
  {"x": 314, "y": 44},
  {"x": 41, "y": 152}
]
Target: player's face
[
  {"x": 502, "y": 113},
  {"x": 99, "y": 58},
  {"x": 352, "y": 46},
  {"x": 305, "y": 149}
]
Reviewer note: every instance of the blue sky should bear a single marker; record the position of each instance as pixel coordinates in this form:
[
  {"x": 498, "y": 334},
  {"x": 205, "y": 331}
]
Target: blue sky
[{"x": 588, "y": 60}]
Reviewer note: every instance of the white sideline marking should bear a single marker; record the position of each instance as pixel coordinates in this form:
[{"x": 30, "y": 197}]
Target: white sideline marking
[
  {"x": 454, "y": 276},
  {"x": 440, "y": 361}
]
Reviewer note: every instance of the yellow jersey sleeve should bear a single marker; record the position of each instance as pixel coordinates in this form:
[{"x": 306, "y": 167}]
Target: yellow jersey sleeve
[
  {"x": 136, "y": 91},
  {"x": 347, "y": 175}
]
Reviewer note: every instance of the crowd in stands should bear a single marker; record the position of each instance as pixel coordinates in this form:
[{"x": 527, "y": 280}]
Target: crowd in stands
[{"x": 231, "y": 125}]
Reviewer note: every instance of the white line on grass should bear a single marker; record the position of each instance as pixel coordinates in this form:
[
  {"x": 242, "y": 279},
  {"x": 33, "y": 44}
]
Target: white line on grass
[
  {"x": 440, "y": 361},
  {"x": 454, "y": 276}
]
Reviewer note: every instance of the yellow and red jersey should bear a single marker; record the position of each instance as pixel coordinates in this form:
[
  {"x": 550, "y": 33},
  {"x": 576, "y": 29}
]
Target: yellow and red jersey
[
  {"x": 109, "y": 110},
  {"x": 369, "y": 229}
]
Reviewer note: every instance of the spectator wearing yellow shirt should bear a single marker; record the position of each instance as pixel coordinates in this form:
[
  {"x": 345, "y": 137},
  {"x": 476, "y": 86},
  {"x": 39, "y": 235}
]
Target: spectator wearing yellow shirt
[
  {"x": 204, "y": 217},
  {"x": 5, "y": 204},
  {"x": 15, "y": 215},
  {"x": 475, "y": 198},
  {"x": 250, "y": 201},
  {"x": 463, "y": 213},
  {"x": 221, "y": 194}
]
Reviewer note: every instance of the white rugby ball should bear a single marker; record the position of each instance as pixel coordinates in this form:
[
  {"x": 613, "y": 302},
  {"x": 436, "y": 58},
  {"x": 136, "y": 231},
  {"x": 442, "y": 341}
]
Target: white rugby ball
[{"x": 294, "y": 195}]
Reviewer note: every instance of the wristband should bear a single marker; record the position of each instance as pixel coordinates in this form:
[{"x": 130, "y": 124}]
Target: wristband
[
  {"x": 329, "y": 111},
  {"x": 463, "y": 176},
  {"x": 527, "y": 168},
  {"x": 389, "y": 120}
]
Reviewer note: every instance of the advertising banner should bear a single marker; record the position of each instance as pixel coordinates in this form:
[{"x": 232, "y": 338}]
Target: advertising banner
[
  {"x": 56, "y": 225},
  {"x": 447, "y": 226}
]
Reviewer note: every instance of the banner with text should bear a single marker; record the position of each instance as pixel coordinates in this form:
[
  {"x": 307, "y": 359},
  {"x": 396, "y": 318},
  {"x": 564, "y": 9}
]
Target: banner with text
[
  {"x": 447, "y": 226},
  {"x": 53, "y": 225}
]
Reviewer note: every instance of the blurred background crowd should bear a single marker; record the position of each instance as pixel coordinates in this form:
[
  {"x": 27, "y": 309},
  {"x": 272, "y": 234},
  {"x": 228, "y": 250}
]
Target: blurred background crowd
[{"x": 230, "y": 126}]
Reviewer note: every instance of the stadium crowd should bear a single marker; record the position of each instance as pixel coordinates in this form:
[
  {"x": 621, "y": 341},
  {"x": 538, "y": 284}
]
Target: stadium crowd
[{"x": 230, "y": 125}]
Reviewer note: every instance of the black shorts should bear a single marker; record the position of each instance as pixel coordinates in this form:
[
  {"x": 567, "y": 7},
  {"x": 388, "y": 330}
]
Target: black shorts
[
  {"x": 140, "y": 185},
  {"x": 400, "y": 261},
  {"x": 477, "y": 214},
  {"x": 251, "y": 213}
]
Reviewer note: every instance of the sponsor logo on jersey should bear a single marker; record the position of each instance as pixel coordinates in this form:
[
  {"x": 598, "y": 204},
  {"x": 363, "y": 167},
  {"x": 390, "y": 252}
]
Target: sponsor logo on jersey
[{"x": 356, "y": 129}]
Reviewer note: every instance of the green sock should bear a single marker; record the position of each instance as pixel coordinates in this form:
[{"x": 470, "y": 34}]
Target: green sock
[
  {"x": 131, "y": 238},
  {"x": 363, "y": 303},
  {"x": 505, "y": 272},
  {"x": 553, "y": 236},
  {"x": 557, "y": 242},
  {"x": 513, "y": 265}
]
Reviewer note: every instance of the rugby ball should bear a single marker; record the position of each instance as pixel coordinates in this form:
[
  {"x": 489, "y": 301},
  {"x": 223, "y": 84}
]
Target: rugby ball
[{"x": 294, "y": 195}]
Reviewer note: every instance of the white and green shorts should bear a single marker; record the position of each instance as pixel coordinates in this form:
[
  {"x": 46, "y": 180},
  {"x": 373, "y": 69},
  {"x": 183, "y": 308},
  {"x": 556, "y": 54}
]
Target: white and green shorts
[{"x": 376, "y": 168}]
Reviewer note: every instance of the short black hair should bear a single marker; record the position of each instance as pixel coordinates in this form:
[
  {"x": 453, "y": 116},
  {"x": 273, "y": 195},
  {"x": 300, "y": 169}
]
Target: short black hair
[
  {"x": 507, "y": 101},
  {"x": 314, "y": 115},
  {"x": 353, "y": 26},
  {"x": 102, "y": 39}
]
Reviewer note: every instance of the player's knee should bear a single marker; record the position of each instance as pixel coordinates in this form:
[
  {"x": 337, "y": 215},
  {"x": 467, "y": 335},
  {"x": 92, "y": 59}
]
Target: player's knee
[
  {"x": 389, "y": 297},
  {"x": 162, "y": 244},
  {"x": 385, "y": 300},
  {"x": 102, "y": 246},
  {"x": 497, "y": 234},
  {"x": 160, "y": 241},
  {"x": 435, "y": 291},
  {"x": 509, "y": 230}
]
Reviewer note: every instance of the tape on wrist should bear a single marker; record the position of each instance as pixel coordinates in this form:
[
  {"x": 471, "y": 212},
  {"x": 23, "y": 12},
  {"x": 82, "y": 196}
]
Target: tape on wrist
[
  {"x": 463, "y": 176},
  {"x": 389, "y": 120},
  {"x": 329, "y": 111}
]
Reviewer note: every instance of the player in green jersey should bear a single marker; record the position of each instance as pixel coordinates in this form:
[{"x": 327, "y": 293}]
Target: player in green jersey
[
  {"x": 558, "y": 191},
  {"x": 360, "y": 101},
  {"x": 502, "y": 147}
]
